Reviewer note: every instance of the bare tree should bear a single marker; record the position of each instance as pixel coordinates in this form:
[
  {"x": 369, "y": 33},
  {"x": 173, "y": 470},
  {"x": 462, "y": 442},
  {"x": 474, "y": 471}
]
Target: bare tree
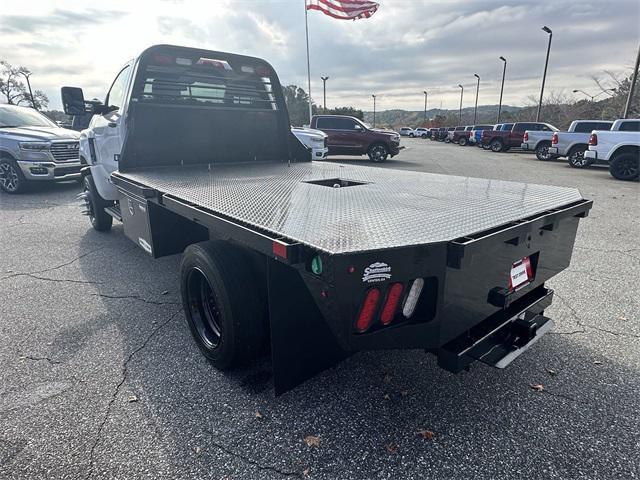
[{"x": 14, "y": 90}]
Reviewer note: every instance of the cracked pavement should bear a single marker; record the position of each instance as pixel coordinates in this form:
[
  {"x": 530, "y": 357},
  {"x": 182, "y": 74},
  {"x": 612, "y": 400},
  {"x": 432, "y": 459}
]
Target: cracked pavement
[{"x": 100, "y": 378}]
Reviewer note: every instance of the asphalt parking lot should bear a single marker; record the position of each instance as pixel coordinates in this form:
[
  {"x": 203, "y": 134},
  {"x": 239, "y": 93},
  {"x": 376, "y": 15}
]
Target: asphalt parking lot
[{"x": 100, "y": 378}]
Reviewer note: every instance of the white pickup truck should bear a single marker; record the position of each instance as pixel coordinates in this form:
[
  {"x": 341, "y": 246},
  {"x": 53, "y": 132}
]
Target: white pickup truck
[
  {"x": 618, "y": 147},
  {"x": 575, "y": 141}
]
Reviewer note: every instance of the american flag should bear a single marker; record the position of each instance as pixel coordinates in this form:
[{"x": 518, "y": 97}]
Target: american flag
[{"x": 344, "y": 9}]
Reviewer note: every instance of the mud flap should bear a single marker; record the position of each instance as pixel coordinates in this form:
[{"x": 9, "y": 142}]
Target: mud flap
[{"x": 302, "y": 345}]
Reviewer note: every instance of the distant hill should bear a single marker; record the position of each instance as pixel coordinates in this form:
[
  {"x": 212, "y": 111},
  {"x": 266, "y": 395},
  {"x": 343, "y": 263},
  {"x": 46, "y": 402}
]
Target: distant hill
[{"x": 404, "y": 118}]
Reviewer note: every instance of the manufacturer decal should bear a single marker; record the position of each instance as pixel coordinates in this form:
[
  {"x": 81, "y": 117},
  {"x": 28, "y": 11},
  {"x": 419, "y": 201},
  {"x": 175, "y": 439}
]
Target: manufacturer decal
[
  {"x": 376, "y": 272},
  {"x": 144, "y": 244}
]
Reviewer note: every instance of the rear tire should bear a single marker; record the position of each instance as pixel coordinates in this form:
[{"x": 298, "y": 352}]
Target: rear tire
[
  {"x": 496, "y": 145},
  {"x": 100, "y": 220},
  {"x": 463, "y": 141},
  {"x": 11, "y": 178},
  {"x": 378, "y": 152},
  {"x": 224, "y": 300},
  {"x": 576, "y": 158},
  {"x": 423, "y": 136},
  {"x": 542, "y": 151},
  {"x": 625, "y": 166}
]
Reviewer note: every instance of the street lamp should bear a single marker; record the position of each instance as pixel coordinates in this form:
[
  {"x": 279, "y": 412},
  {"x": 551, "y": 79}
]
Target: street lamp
[
  {"x": 544, "y": 75},
  {"x": 504, "y": 70},
  {"x": 27, "y": 74},
  {"x": 374, "y": 111},
  {"x": 592, "y": 97},
  {"x": 425, "y": 105},
  {"x": 475, "y": 111},
  {"x": 460, "y": 114},
  {"x": 324, "y": 93}
]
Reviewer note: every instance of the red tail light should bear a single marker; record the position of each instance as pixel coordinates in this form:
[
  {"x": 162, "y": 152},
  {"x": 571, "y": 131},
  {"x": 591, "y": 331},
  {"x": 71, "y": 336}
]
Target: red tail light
[
  {"x": 368, "y": 310},
  {"x": 161, "y": 59},
  {"x": 593, "y": 139},
  {"x": 554, "y": 139},
  {"x": 391, "y": 305},
  {"x": 526, "y": 137}
]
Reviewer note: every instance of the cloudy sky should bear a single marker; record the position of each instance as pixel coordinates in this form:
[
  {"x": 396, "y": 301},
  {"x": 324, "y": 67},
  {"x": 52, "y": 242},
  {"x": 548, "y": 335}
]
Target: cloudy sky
[{"x": 406, "y": 47}]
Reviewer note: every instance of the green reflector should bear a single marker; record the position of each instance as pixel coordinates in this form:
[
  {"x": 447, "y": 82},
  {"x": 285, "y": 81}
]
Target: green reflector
[{"x": 316, "y": 265}]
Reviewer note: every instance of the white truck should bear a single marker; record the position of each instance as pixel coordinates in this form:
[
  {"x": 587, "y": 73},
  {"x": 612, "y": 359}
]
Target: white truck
[
  {"x": 575, "y": 141},
  {"x": 538, "y": 140},
  {"x": 314, "y": 140},
  {"x": 619, "y": 148}
]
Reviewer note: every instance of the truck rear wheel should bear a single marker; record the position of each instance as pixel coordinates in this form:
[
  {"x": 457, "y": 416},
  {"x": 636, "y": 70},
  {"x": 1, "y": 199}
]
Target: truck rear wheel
[
  {"x": 224, "y": 301},
  {"x": 577, "y": 159},
  {"x": 94, "y": 204},
  {"x": 378, "y": 152},
  {"x": 496, "y": 145},
  {"x": 463, "y": 141},
  {"x": 542, "y": 151},
  {"x": 625, "y": 166}
]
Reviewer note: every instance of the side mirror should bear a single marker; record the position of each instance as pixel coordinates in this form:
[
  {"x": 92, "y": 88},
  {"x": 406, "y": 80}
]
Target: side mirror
[
  {"x": 358, "y": 128},
  {"x": 73, "y": 101}
]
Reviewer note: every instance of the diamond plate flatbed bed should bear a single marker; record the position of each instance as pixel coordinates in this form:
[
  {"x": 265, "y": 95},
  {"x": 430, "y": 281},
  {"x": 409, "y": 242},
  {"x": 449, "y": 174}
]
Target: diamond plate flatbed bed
[{"x": 390, "y": 209}]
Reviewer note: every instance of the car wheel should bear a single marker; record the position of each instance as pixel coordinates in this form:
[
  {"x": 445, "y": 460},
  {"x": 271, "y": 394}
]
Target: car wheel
[
  {"x": 11, "y": 178},
  {"x": 224, "y": 300},
  {"x": 94, "y": 206},
  {"x": 496, "y": 145},
  {"x": 625, "y": 166},
  {"x": 577, "y": 159},
  {"x": 424, "y": 135},
  {"x": 542, "y": 151},
  {"x": 463, "y": 141},
  {"x": 411, "y": 135},
  {"x": 378, "y": 152}
]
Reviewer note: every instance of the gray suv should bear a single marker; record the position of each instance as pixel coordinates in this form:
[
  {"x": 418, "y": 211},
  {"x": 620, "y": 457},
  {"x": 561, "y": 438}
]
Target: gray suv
[{"x": 33, "y": 148}]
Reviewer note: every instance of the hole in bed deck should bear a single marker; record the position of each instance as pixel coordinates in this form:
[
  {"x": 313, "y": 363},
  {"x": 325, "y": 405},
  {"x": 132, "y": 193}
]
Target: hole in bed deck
[{"x": 335, "y": 182}]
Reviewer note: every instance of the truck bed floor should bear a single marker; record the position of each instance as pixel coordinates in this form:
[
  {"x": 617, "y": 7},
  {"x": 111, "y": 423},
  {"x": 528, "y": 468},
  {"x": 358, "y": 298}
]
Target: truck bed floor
[{"x": 390, "y": 208}]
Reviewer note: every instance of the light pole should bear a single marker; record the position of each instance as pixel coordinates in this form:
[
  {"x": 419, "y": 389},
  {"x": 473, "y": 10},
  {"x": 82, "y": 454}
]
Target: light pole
[
  {"x": 374, "y": 111},
  {"x": 592, "y": 97},
  {"x": 475, "y": 111},
  {"x": 460, "y": 114},
  {"x": 504, "y": 71},
  {"x": 324, "y": 93},
  {"x": 544, "y": 75},
  {"x": 632, "y": 86},
  {"x": 27, "y": 74},
  {"x": 425, "y": 106}
]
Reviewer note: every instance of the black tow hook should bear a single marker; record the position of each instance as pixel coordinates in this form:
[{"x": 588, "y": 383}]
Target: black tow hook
[{"x": 523, "y": 332}]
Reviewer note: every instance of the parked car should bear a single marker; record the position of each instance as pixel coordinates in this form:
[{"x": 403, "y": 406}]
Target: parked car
[
  {"x": 618, "y": 147},
  {"x": 476, "y": 133},
  {"x": 34, "y": 148},
  {"x": 407, "y": 132},
  {"x": 422, "y": 132},
  {"x": 449, "y": 134},
  {"x": 575, "y": 141},
  {"x": 503, "y": 140},
  {"x": 350, "y": 136},
  {"x": 538, "y": 140},
  {"x": 440, "y": 134},
  {"x": 462, "y": 138},
  {"x": 314, "y": 140},
  {"x": 499, "y": 127},
  {"x": 433, "y": 132}
]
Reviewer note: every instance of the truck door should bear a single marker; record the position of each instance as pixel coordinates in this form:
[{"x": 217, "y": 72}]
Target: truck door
[{"x": 108, "y": 132}]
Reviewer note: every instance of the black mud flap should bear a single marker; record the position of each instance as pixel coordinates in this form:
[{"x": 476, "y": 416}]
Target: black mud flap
[
  {"x": 501, "y": 338},
  {"x": 302, "y": 345}
]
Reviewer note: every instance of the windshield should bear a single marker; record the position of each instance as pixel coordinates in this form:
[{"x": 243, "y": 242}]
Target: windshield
[
  {"x": 367, "y": 125},
  {"x": 23, "y": 117}
]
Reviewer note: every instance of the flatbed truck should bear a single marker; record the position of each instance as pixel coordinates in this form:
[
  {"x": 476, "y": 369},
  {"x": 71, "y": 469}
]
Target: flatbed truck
[{"x": 313, "y": 261}]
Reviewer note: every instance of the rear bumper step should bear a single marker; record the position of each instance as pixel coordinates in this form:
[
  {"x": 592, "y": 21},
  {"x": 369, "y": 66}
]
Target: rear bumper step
[{"x": 502, "y": 337}]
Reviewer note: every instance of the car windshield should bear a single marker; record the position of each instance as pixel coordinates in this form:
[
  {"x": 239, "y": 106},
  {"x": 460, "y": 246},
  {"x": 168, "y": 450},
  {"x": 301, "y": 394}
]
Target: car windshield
[
  {"x": 367, "y": 125},
  {"x": 23, "y": 117}
]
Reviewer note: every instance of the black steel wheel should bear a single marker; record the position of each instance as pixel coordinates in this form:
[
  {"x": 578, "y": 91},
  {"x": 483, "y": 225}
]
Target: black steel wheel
[
  {"x": 625, "y": 166},
  {"x": 577, "y": 159},
  {"x": 378, "y": 152},
  {"x": 542, "y": 151},
  {"x": 94, "y": 206},
  {"x": 224, "y": 300},
  {"x": 11, "y": 178},
  {"x": 496, "y": 145}
]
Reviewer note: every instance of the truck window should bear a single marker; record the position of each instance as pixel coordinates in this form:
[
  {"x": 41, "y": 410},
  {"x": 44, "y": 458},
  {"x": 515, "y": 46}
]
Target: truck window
[
  {"x": 344, "y": 123},
  {"x": 588, "y": 127},
  {"x": 521, "y": 127},
  {"x": 630, "y": 126},
  {"x": 115, "y": 97},
  {"x": 507, "y": 126},
  {"x": 325, "y": 123}
]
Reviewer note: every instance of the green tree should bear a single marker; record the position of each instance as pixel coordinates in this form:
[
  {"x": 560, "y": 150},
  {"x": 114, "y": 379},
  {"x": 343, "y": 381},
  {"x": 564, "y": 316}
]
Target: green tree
[{"x": 297, "y": 101}]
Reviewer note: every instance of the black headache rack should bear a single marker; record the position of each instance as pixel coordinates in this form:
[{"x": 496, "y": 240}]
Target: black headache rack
[{"x": 356, "y": 258}]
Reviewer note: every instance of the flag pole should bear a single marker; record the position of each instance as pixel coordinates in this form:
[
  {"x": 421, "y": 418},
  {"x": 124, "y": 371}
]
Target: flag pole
[{"x": 306, "y": 28}]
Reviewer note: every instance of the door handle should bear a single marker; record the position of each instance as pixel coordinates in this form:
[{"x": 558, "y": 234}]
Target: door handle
[{"x": 112, "y": 124}]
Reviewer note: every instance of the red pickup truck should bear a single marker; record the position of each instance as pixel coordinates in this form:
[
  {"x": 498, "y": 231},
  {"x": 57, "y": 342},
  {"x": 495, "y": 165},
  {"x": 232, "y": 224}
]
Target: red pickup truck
[
  {"x": 350, "y": 136},
  {"x": 503, "y": 140}
]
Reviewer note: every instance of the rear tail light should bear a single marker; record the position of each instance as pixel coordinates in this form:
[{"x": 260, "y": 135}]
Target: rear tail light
[
  {"x": 391, "y": 305},
  {"x": 161, "y": 59},
  {"x": 526, "y": 137},
  {"x": 412, "y": 297},
  {"x": 368, "y": 310},
  {"x": 554, "y": 139},
  {"x": 593, "y": 139}
]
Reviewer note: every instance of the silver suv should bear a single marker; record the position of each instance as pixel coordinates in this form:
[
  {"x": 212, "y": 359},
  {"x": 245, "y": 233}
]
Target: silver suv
[{"x": 33, "y": 148}]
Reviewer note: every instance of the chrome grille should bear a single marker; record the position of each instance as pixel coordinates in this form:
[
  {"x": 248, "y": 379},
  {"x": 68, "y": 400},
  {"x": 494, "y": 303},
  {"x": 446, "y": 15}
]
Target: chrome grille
[{"x": 65, "y": 151}]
